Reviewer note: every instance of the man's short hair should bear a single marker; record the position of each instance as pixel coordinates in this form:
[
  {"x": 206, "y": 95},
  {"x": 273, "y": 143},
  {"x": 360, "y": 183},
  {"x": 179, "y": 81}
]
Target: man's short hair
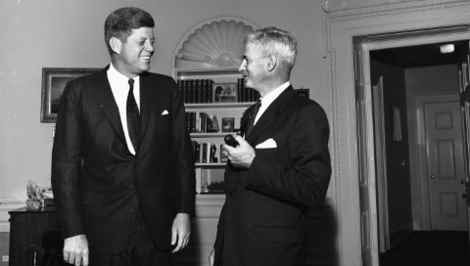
[
  {"x": 121, "y": 21},
  {"x": 275, "y": 41}
]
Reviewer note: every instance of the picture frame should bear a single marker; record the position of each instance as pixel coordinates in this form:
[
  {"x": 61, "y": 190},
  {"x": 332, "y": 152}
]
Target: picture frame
[
  {"x": 222, "y": 156},
  {"x": 54, "y": 80},
  {"x": 228, "y": 124},
  {"x": 225, "y": 92}
]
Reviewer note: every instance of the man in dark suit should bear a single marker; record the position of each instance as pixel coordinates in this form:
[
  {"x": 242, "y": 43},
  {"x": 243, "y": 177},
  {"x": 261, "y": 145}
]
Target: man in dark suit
[
  {"x": 281, "y": 166},
  {"x": 122, "y": 167}
]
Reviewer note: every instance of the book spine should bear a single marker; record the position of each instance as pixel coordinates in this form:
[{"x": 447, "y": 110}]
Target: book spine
[
  {"x": 204, "y": 152},
  {"x": 198, "y": 175}
]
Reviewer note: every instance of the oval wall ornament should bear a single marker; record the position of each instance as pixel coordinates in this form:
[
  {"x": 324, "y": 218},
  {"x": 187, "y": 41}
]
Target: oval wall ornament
[{"x": 213, "y": 45}]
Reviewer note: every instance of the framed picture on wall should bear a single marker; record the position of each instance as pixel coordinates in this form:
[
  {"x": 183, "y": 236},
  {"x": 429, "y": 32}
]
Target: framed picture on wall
[
  {"x": 53, "y": 84},
  {"x": 225, "y": 92},
  {"x": 228, "y": 124}
]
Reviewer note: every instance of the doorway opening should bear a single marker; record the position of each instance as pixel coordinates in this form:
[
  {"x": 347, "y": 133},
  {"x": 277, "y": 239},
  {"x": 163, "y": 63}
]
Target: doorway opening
[
  {"x": 424, "y": 156},
  {"x": 413, "y": 140}
]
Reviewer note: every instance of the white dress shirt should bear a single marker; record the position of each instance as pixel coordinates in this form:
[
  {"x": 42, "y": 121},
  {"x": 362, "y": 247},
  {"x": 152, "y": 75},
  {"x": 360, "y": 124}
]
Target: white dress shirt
[
  {"x": 120, "y": 87},
  {"x": 267, "y": 99}
]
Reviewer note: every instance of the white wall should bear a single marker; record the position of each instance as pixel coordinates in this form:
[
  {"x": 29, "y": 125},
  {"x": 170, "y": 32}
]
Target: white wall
[
  {"x": 432, "y": 80},
  {"x": 69, "y": 33}
]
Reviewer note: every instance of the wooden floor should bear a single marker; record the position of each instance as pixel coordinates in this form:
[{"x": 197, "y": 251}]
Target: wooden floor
[{"x": 446, "y": 248}]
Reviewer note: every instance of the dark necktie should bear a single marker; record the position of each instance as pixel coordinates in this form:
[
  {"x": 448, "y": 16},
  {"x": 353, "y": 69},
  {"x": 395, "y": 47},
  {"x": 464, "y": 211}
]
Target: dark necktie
[
  {"x": 133, "y": 116},
  {"x": 251, "y": 117}
]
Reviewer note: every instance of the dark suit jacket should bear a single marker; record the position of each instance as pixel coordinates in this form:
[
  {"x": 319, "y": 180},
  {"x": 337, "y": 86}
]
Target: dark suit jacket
[
  {"x": 261, "y": 220},
  {"x": 99, "y": 186}
]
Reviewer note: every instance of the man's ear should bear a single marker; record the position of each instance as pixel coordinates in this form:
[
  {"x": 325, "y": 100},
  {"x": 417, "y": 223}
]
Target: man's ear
[
  {"x": 271, "y": 63},
  {"x": 115, "y": 45}
]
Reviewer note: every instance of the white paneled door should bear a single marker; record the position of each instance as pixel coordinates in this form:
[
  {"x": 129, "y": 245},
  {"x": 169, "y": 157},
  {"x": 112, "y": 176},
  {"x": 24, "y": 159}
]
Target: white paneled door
[{"x": 445, "y": 165}]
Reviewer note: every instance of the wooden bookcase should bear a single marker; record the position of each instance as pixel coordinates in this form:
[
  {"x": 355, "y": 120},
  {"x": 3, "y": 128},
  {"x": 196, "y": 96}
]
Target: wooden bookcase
[
  {"x": 35, "y": 238},
  {"x": 215, "y": 102},
  {"x": 210, "y": 198},
  {"x": 211, "y": 52}
]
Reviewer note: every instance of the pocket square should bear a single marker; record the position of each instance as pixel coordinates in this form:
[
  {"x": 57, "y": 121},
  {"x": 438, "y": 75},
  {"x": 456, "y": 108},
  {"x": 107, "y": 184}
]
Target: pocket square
[
  {"x": 165, "y": 112},
  {"x": 267, "y": 144}
]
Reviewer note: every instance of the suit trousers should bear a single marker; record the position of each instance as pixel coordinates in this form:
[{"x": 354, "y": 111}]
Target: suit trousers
[{"x": 140, "y": 251}]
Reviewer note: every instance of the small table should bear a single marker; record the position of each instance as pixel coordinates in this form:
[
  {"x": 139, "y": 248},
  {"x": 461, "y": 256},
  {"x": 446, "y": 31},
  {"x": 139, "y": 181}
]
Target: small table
[{"x": 35, "y": 238}]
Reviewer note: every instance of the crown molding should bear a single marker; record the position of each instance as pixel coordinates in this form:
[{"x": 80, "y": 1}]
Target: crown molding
[{"x": 384, "y": 7}]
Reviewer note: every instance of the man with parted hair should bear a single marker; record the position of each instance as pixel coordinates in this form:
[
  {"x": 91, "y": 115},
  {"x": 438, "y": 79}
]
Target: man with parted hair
[
  {"x": 280, "y": 167},
  {"x": 122, "y": 166}
]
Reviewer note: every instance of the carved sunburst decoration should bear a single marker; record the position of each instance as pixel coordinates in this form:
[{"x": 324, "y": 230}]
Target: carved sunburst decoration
[{"x": 215, "y": 44}]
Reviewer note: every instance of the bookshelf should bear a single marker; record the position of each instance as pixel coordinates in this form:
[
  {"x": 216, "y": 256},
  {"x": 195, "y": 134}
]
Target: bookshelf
[
  {"x": 214, "y": 102},
  {"x": 208, "y": 57},
  {"x": 209, "y": 118}
]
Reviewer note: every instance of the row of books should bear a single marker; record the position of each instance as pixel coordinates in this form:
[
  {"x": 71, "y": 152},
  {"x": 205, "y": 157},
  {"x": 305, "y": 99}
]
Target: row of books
[
  {"x": 202, "y": 122},
  {"x": 206, "y": 152},
  {"x": 197, "y": 90},
  {"x": 245, "y": 94},
  {"x": 208, "y": 91}
]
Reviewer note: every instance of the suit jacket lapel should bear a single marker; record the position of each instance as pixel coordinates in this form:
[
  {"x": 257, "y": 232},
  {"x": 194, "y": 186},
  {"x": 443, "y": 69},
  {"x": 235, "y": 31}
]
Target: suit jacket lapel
[
  {"x": 270, "y": 116},
  {"x": 105, "y": 97},
  {"x": 145, "y": 104}
]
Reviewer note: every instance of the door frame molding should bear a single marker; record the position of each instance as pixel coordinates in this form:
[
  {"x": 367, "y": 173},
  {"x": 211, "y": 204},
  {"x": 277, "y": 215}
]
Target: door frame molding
[
  {"x": 342, "y": 30},
  {"x": 381, "y": 164},
  {"x": 372, "y": 220}
]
